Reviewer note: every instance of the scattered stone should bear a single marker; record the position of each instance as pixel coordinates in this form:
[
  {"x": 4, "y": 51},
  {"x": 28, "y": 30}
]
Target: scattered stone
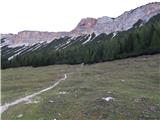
[
  {"x": 143, "y": 98},
  {"x": 122, "y": 80},
  {"x": 20, "y": 115},
  {"x": 59, "y": 114},
  {"x": 108, "y": 98},
  {"x": 30, "y": 102},
  {"x": 136, "y": 100},
  {"x": 109, "y": 92},
  {"x": 36, "y": 101},
  {"x": 82, "y": 64},
  {"x": 153, "y": 108},
  {"x": 62, "y": 93},
  {"x": 144, "y": 58},
  {"x": 51, "y": 101}
]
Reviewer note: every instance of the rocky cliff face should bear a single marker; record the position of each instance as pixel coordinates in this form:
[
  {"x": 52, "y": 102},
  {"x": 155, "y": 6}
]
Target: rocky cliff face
[
  {"x": 27, "y": 38},
  {"x": 33, "y": 36},
  {"x": 87, "y": 26},
  {"x": 123, "y": 22},
  {"x": 30, "y": 37}
]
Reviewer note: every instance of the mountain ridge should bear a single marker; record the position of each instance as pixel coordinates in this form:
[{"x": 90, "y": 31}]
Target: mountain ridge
[
  {"x": 88, "y": 48},
  {"x": 100, "y": 25}
]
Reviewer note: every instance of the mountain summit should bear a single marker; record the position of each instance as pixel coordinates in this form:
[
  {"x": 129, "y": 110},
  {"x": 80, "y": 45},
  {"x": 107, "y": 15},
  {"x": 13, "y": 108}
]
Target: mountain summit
[
  {"x": 123, "y": 22},
  {"x": 87, "y": 26}
]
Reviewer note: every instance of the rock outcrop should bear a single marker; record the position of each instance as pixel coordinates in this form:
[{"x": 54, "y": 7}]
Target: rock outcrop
[
  {"x": 121, "y": 23},
  {"x": 85, "y": 26}
]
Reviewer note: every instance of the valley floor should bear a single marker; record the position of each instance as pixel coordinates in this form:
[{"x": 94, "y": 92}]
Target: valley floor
[{"x": 125, "y": 89}]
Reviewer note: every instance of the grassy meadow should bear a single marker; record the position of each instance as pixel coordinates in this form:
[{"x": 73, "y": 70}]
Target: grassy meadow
[{"x": 133, "y": 83}]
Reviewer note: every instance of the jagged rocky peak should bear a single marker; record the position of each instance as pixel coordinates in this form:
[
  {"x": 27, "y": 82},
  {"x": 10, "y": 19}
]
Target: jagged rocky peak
[
  {"x": 129, "y": 18},
  {"x": 123, "y": 22},
  {"x": 85, "y": 26},
  {"x": 89, "y": 25},
  {"x": 144, "y": 12}
]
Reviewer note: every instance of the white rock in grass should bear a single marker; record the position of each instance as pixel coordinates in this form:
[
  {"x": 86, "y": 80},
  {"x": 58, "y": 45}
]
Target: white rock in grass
[
  {"x": 62, "y": 92},
  {"x": 108, "y": 98},
  {"x": 54, "y": 119},
  {"x": 30, "y": 102},
  {"x": 36, "y": 101},
  {"x": 109, "y": 92},
  {"x": 20, "y": 115},
  {"x": 122, "y": 80},
  {"x": 51, "y": 101},
  {"x": 59, "y": 114}
]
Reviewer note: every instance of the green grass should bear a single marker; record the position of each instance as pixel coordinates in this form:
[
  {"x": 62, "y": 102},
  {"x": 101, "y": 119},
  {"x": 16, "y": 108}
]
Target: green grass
[{"x": 137, "y": 98}]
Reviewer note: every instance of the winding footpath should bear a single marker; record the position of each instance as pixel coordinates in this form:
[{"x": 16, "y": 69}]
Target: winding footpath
[{"x": 27, "y": 98}]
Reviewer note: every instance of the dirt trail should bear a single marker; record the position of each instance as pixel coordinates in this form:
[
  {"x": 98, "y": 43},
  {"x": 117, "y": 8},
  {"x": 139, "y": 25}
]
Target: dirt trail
[{"x": 27, "y": 98}]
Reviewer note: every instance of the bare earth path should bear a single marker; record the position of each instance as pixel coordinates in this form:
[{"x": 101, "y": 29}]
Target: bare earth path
[{"x": 27, "y": 98}]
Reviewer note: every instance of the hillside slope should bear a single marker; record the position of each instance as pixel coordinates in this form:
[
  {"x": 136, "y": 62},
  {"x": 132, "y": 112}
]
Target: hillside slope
[{"x": 88, "y": 49}]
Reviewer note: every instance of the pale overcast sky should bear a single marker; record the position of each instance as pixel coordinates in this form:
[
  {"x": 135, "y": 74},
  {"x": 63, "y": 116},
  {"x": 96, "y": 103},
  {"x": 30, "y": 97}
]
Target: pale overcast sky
[{"x": 58, "y": 15}]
